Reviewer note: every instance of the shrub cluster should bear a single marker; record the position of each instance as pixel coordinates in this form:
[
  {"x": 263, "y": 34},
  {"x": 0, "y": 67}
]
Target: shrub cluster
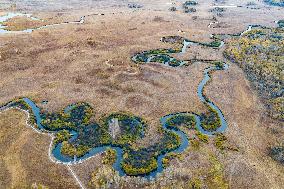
[{"x": 260, "y": 54}]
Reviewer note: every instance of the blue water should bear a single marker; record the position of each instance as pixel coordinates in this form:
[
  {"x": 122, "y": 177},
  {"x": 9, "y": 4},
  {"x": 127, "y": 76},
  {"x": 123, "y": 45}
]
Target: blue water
[
  {"x": 44, "y": 102},
  {"x": 69, "y": 108},
  {"x": 10, "y": 15},
  {"x": 185, "y": 45},
  {"x": 200, "y": 88},
  {"x": 35, "y": 111},
  {"x": 274, "y": 3},
  {"x": 117, "y": 165}
]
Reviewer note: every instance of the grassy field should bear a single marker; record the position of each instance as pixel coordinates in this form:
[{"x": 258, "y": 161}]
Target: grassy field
[
  {"x": 260, "y": 54},
  {"x": 91, "y": 63},
  {"x": 24, "y": 156}
]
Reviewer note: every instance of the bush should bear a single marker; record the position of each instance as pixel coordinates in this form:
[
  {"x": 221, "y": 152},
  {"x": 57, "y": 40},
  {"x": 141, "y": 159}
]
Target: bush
[
  {"x": 210, "y": 121},
  {"x": 172, "y": 9},
  {"x": 195, "y": 143},
  {"x": 195, "y": 183},
  {"x": 202, "y": 137},
  {"x": 68, "y": 149},
  {"x": 61, "y": 136},
  {"x": 189, "y": 10},
  {"x": 71, "y": 151},
  {"x": 190, "y": 3},
  {"x": 179, "y": 120},
  {"x": 260, "y": 54},
  {"x": 170, "y": 156},
  {"x": 281, "y": 23},
  {"x": 277, "y": 153},
  {"x": 218, "y": 9},
  {"x": 136, "y": 170},
  {"x": 109, "y": 156},
  {"x": 219, "y": 141}
]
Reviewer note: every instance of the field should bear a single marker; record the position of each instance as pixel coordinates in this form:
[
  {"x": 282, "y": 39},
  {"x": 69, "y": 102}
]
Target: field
[
  {"x": 24, "y": 156},
  {"x": 85, "y": 55}
]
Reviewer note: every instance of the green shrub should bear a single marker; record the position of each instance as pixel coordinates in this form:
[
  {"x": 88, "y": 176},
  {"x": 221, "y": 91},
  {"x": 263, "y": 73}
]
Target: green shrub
[
  {"x": 135, "y": 170},
  {"x": 210, "y": 121},
  {"x": 202, "y": 137},
  {"x": 170, "y": 156},
  {"x": 195, "y": 183},
  {"x": 220, "y": 141},
  {"x": 260, "y": 54},
  {"x": 61, "y": 136},
  {"x": 195, "y": 143},
  {"x": 277, "y": 153}
]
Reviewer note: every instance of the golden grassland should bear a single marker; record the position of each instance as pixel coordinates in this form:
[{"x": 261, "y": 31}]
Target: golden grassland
[
  {"x": 91, "y": 62},
  {"x": 86, "y": 64},
  {"x": 195, "y": 168},
  {"x": 250, "y": 129},
  {"x": 260, "y": 54},
  {"x": 24, "y": 156},
  {"x": 22, "y": 23}
]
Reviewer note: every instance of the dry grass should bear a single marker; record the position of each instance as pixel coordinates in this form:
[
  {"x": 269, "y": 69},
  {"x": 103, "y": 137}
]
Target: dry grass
[
  {"x": 91, "y": 62},
  {"x": 22, "y": 23},
  {"x": 24, "y": 156},
  {"x": 66, "y": 68},
  {"x": 248, "y": 129}
]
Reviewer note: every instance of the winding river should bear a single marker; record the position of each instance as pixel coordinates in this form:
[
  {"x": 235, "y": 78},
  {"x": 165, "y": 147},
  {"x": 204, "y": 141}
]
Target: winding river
[
  {"x": 60, "y": 158},
  {"x": 55, "y": 152},
  {"x": 6, "y": 17}
]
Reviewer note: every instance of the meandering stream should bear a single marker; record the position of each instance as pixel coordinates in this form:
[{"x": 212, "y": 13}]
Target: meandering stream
[
  {"x": 60, "y": 158},
  {"x": 6, "y": 17}
]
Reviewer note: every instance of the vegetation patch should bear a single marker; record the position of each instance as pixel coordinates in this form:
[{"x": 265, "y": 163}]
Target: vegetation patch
[
  {"x": 109, "y": 157},
  {"x": 218, "y": 9},
  {"x": 281, "y": 23},
  {"x": 103, "y": 177},
  {"x": 178, "y": 120},
  {"x": 190, "y": 3},
  {"x": 195, "y": 143},
  {"x": 170, "y": 156},
  {"x": 72, "y": 150},
  {"x": 277, "y": 153},
  {"x": 131, "y": 127},
  {"x": 220, "y": 140},
  {"x": 144, "y": 160},
  {"x": 215, "y": 177},
  {"x": 218, "y": 64},
  {"x": 210, "y": 121},
  {"x": 172, "y": 9},
  {"x": 279, "y": 3},
  {"x": 195, "y": 183},
  {"x": 75, "y": 118},
  {"x": 163, "y": 55},
  {"x": 187, "y": 6},
  {"x": 134, "y": 6},
  {"x": 158, "y": 55},
  {"x": 260, "y": 54},
  {"x": 61, "y": 136},
  {"x": 202, "y": 137}
]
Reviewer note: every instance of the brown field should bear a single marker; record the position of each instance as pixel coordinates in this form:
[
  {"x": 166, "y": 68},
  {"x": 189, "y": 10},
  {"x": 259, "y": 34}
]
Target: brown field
[
  {"x": 91, "y": 62},
  {"x": 24, "y": 156}
]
